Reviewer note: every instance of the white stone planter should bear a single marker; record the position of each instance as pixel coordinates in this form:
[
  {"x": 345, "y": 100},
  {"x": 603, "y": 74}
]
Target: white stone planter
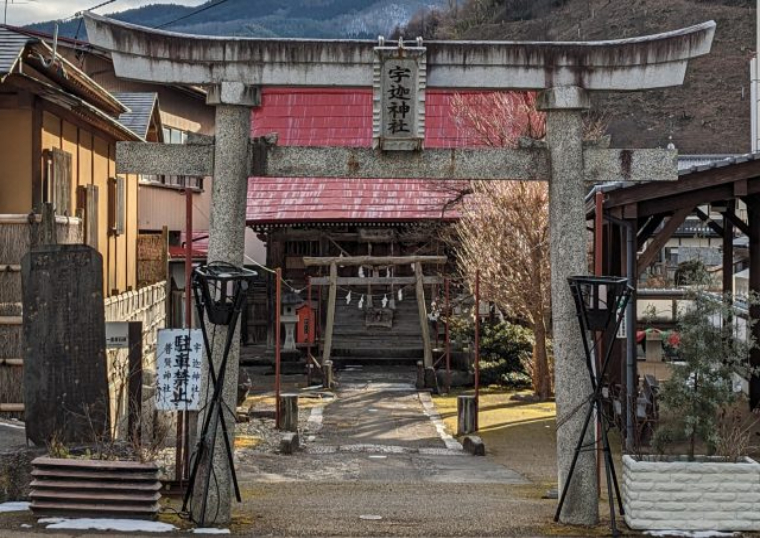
[{"x": 708, "y": 494}]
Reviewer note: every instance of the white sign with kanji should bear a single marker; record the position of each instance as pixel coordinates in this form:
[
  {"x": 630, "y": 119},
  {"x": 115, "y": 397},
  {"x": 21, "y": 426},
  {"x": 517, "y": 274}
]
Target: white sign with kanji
[{"x": 180, "y": 355}]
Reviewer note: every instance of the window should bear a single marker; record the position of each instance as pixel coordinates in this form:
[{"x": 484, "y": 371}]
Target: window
[
  {"x": 177, "y": 182},
  {"x": 117, "y": 201},
  {"x": 57, "y": 188},
  {"x": 174, "y": 136},
  {"x": 87, "y": 205}
]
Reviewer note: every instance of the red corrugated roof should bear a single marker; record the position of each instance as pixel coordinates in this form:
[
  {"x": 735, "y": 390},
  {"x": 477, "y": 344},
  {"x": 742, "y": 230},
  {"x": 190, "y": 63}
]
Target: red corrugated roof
[
  {"x": 199, "y": 248},
  {"x": 178, "y": 252},
  {"x": 343, "y": 117},
  {"x": 290, "y": 201}
]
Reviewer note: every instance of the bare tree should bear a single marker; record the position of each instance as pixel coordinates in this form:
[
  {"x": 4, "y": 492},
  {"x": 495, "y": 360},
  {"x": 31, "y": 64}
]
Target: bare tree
[
  {"x": 503, "y": 232},
  {"x": 504, "y": 226}
]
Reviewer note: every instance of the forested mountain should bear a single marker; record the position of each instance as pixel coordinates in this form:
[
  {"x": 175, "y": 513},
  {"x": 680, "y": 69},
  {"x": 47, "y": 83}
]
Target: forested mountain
[
  {"x": 709, "y": 114},
  {"x": 265, "y": 18}
]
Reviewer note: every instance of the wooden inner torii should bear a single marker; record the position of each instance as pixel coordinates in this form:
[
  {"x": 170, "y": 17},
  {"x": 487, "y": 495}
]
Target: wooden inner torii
[{"x": 333, "y": 281}]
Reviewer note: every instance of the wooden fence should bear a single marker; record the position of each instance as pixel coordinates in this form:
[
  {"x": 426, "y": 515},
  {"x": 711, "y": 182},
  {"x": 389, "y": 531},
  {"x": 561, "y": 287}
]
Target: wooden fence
[{"x": 18, "y": 233}]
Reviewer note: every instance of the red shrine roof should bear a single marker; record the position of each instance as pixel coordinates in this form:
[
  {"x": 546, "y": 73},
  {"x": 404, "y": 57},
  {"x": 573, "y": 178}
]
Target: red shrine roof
[{"x": 343, "y": 117}]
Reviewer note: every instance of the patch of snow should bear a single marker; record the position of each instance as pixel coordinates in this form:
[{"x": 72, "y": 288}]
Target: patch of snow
[
  {"x": 692, "y": 534},
  {"x": 14, "y": 507},
  {"x": 16, "y": 425},
  {"x": 210, "y": 530},
  {"x": 370, "y": 517},
  {"x": 435, "y": 417},
  {"x": 106, "y": 524},
  {"x": 26, "y": 526}
]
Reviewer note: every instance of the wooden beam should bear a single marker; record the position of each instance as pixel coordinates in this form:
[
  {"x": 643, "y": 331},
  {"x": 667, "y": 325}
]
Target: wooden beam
[
  {"x": 375, "y": 280},
  {"x": 688, "y": 183},
  {"x": 662, "y": 237},
  {"x": 422, "y": 309},
  {"x": 371, "y": 260},
  {"x": 689, "y": 199},
  {"x": 704, "y": 217},
  {"x": 11, "y": 362},
  {"x": 728, "y": 252},
  {"x": 649, "y": 228},
  {"x": 753, "y": 212},
  {"x": 736, "y": 221},
  {"x": 11, "y": 320},
  {"x": 10, "y": 268},
  {"x": 740, "y": 188},
  {"x": 11, "y": 408},
  {"x": 332, "y": 297}
]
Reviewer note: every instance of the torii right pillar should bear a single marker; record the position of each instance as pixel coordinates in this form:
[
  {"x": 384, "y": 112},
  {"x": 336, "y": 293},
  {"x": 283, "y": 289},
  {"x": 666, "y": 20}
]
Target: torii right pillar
[{"x": 564, "y": 107}]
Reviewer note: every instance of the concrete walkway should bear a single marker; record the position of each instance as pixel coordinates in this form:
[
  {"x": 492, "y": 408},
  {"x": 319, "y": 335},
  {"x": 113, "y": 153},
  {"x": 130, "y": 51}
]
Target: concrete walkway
[{"x": 376, "y": 463}]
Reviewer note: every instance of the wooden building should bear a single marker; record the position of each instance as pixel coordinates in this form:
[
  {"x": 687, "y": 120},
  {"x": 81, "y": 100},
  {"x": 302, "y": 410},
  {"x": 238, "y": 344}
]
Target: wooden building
[
  {"x": 375, "y": 230},
  {"x": 58, "y": 134}
]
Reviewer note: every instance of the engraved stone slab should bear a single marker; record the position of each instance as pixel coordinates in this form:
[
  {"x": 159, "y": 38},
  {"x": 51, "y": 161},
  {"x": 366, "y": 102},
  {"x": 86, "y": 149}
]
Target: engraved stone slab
[{"x": 65, "y": 379}]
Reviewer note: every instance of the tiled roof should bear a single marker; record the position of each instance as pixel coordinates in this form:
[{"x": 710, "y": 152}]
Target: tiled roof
[
  {"x": 343, "y": 117},
  {"x": 11, "y": 46},
  {"x": 295, "y": 200},
  {"x": 141, "y": 107}
]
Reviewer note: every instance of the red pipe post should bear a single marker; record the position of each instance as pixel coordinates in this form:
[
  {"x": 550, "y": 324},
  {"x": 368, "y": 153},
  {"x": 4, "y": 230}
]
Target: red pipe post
[
  {"x": 598, "y": 227},
  {"x": 477, "y": 349},
  {"x": 278, "y": 297},
  {"x": 448, "y": 343}
]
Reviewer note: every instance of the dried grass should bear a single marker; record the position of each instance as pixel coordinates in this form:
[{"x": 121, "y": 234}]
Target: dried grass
[
  {"x": 14, "y": 243},
  {"x": 10, "y": 287},
  {"x": 10, "y": 341},
  {"x": 11, "y": 385}
]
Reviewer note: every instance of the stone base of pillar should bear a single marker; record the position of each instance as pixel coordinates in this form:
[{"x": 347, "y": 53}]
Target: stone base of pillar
[
  {"x": 327, "y": 375},
  {"x": 430, "y": 379},
  {"x": 289, "y": 412},
  {"x": 467, "y": 414}
]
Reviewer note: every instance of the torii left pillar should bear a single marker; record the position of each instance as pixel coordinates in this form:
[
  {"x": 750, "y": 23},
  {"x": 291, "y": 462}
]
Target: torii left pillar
[{"x": 233, "y": 102}]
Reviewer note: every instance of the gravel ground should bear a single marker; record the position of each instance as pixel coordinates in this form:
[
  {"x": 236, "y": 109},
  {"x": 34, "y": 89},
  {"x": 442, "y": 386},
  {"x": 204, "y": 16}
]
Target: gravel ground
[{"x": 372, "y": 464}]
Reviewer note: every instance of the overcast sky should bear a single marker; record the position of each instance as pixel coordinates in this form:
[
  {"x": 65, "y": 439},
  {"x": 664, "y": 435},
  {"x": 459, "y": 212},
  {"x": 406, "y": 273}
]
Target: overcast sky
[{"x": 21, "y": 12}]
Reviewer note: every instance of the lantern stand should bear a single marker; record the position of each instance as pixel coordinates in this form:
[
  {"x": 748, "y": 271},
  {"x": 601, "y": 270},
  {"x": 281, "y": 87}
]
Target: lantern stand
[
  {"x": 220, "y": 290},
  {"x": 600, "y": 304}
]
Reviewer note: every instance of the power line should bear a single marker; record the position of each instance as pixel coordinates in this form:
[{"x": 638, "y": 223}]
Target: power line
[{"x": 183, "y": 17}]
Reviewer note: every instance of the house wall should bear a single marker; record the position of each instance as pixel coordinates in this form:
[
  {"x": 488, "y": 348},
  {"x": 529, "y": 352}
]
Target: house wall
[
  {"x": 164, "y": 206},
  {"x": 179, "y": 109},
  {"x": 16, "y": 156},
  {"x": 93, "y": 163}
]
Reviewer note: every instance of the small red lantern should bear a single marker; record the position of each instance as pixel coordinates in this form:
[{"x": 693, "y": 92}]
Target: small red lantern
[{"x": 305, "y": 333}]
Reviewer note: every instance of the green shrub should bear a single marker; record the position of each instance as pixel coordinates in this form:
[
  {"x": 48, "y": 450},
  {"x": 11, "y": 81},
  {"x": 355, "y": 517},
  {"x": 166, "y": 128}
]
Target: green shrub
[{"x": 504, "y": 350}]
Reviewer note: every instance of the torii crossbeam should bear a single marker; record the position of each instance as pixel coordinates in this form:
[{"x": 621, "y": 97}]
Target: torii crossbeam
[{"x": 234, "y": 70}]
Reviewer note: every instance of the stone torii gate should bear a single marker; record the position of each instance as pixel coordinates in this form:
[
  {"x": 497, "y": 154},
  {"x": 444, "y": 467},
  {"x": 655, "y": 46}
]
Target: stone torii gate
[{"x": 234, "y": 70}]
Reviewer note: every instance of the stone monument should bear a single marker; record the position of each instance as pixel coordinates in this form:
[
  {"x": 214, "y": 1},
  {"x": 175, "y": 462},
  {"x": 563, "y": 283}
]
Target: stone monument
[{"x": 65, "y": 374}]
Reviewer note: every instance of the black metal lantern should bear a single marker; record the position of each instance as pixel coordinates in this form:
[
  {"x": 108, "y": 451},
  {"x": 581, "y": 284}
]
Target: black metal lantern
[
  {"x": 220, "y": 284},
  {"x": 598, "y": 299},
  {"x": 220, "y": 290},
  {"x": 599, "y": 303}
]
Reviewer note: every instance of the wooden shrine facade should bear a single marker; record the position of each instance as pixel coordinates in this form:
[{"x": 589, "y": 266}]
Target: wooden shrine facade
[{"x": 371, "y": 283}]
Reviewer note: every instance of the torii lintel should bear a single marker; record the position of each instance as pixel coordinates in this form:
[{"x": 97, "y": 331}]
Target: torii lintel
[{"x": 655, "y": 61}]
